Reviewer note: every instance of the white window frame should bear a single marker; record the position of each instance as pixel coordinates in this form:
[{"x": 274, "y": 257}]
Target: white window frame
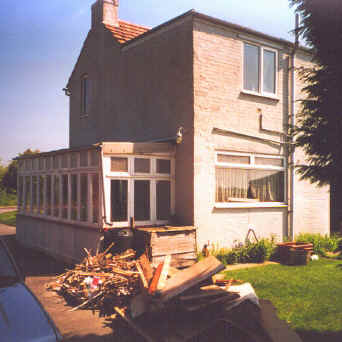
[
  {"x": 131, "y": 176},
  {"x": 261, "y": 92},
  {"x": 251, "y": 166}
]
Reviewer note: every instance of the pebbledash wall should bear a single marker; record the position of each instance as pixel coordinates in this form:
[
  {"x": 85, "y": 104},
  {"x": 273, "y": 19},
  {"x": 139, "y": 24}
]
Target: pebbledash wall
[{"x": 221, "y": 106}]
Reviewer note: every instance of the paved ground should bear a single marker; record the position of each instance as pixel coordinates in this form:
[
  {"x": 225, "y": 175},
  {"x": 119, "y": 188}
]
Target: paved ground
[{"x": 7, "y": 209}]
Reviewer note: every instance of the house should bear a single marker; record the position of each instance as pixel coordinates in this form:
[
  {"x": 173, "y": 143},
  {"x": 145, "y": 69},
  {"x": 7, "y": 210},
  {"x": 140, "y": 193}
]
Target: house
[{"x": 183, "y": 124}]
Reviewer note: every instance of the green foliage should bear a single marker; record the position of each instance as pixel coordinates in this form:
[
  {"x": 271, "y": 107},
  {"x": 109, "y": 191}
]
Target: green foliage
[
  {"x": 319, "y": 125},
  {"x": 252, "y": 252},
  {"x": 9, "y": 218},
  {"x": 321, "y": 243},
  {"x": 306, "y": 297},
  {"x": 7, "y": 199}
]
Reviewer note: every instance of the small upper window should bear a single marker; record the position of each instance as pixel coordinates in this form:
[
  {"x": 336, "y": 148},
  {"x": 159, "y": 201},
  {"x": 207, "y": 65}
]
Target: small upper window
[
  {"x": 259, "y": 69},
  {"x": 85, "y": 94}
]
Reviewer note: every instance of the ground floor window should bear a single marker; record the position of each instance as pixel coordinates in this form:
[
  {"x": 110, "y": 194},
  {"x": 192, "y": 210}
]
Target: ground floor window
[
  {"x": 249, "y": 178},
  {"x": 119, "y": 194}
]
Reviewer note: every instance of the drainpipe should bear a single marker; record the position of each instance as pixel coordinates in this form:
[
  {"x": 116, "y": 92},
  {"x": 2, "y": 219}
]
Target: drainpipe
[{"x": 293, "y": 121}]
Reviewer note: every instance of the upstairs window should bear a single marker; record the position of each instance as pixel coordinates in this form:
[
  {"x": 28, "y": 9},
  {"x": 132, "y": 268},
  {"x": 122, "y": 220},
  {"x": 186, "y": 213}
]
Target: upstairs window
[
  {"x": 85, "y": 95},
  {"x": 260, "y": 67}
]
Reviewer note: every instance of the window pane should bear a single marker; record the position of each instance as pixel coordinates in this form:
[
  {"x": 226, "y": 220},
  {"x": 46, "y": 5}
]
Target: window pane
[
  {"x": 20, "y": 192},
  {"x": 119, "y": 164},
  {"x": 35, "y": 164},
  {"x": 95, "y": 199},
  {"x": 28, "y": 164},
  {"x": 269, "y": 161},
  {"x": 119, "y": 200},
  {"x": 269, "y": 71},
  {"x": 56, "y": 199},
  {"x": 21, "y": 165},
  {"x": 41, "y": 195},
  {"x": 142, "y": 200},
  {"x": 84, "y": 158},
  {"x": 48, "y": 195},
  {"x": 225, "y": 158},
  {"x": 41, "y": 163},
  {"x": 27, "y": 205},
  {"x": 74, "y": 190},
  {"x": 55, "y": 161},
  {"x": 251, "y": 68},
  {"x": 84, "y": 197},
  {"x": 163, "y": 200},
  {"x": 238, "y": 185},
  {"x": 94, "y": 158},
  {"x": 34, "y": 195},
  {"x": 163, "y": 166},
  {"x": 64, "y": 161},
  {"x": 142, "y": 165},
  {"x": 65, "y": 194},
  {"x": 73, "y": 160},
  {"x": 48, "y": 163}
]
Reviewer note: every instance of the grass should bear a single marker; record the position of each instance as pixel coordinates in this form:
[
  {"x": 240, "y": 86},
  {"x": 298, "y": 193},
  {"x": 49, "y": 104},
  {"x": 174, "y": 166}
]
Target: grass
[
  {"x": 309, "y": 298},
  {"x": 9, "y": 218}
]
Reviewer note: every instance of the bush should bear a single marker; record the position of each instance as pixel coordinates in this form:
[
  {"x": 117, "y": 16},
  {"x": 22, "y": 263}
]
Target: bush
[
  {"x": 7, "y": 199},
  {"x": 321, "y": 243},
  {"x": 258, "y": 252}
]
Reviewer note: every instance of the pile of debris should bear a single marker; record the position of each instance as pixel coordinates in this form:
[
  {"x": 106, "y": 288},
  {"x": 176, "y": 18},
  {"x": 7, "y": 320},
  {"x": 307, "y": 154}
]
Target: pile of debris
[{"x": 132, "y": 289}]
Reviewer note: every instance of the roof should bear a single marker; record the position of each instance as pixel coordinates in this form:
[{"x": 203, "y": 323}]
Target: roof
[{"x": 126, "y": 31}]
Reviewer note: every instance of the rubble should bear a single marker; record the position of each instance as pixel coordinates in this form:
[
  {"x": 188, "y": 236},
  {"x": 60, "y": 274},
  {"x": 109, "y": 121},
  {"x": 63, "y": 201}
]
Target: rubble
[{"x": 126, "y": 286}]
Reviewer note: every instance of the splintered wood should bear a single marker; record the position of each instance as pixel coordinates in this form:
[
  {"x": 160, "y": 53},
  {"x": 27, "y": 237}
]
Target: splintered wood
[{"x": 100, "y": 282}]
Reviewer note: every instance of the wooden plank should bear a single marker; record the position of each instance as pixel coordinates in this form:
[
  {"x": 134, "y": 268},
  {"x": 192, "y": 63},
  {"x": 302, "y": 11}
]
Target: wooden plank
[
  {"x": 190, "y": 277},
  {"x": 146, "y": 268},
  {"x": 164, "y": 273},
  {"x": 154, "y": 282},
  {"x": 133, "y": 325},
  {"x": 142, "y": 277}
]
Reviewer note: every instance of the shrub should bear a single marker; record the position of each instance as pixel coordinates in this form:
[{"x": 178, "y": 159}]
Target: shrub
[
  {"x": 7, "y": 199},
  {"x": 321, "y": 243}
]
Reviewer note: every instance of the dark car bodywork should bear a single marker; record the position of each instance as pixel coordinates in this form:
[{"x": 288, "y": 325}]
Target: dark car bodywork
[{"x": 22, "y": 317}]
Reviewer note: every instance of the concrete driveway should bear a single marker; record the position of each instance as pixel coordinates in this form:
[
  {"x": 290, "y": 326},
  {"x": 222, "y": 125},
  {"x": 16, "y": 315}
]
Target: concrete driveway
[{"x": 78, "y": 326}]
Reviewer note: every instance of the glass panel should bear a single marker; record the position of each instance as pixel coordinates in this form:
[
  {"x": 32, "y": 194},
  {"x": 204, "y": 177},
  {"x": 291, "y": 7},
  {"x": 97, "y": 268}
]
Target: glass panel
[
  {"x": 65, "y": 196},
  {"x": 55, "y": 162},
  {"x": 142, "y": 165},
  {"x": 34, "y": 195},
  {"x": 48, "y": 163},
  {"x": 74, "y": 190},
  {"x": 28, "y": 164},
  {"x": 21, "y": 165},
  {"x": 163, "y": 200},
  {"x": 41, "y": 163},
  {"x": 142, "y": 200},
  {"x": 20, "y": 192},
  {"x": 64, "y": 161},
  {"x": 95, "y": 199},
  {"x": 238, "y": 185},
  {"x": 94, "y": 158},
  {"x": 269, "y": 161},
  {"x": 35, "y": 164},
  {"x": 27, "y": 205},
  {"x": 251, "y": 68},
  {"x": 225, "y": 158},
  {"x": 73, "y": 160},
  {"x": 41, "y": 195},
  {"x": 119, "y": 200},
  {"x": 56, "y": 202},
  {"x": 48, "y": 195},
  {"x": 269, "y": 71},
  {"x": 83, "y": 158},
  {"x": 84, "y": 197},
  {"x": 119, "y": 164},
  {"x": 163, "y": 166}
]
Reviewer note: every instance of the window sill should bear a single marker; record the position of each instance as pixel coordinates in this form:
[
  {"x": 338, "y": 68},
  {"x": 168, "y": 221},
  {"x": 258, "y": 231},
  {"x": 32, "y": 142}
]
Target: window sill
[
  {"x": 263, "y": 95},
  {"x": 83, "y": 116},
  {"x": 241, "y": 205}
]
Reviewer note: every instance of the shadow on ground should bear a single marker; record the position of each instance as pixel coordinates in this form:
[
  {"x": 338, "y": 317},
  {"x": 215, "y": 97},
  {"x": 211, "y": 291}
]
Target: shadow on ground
[
  {"x": 313, "y": 336},
  {"x": 33, "y": 263}
]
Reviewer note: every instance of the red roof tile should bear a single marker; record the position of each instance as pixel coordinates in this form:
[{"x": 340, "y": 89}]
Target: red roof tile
[{"x": 126, "y": 31}]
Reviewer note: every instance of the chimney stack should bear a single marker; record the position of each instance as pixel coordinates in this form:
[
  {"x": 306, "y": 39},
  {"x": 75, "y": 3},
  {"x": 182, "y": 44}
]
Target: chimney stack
[{"x": 105, "y": 12}]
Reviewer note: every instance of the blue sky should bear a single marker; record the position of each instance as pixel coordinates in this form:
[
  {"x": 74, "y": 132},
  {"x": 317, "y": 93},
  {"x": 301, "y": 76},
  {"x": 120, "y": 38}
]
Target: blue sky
[{"x": 41, "y": 40}]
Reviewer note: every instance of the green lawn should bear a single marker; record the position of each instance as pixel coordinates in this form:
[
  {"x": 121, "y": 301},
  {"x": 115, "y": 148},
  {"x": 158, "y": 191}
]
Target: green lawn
[
  {"x": 9, "y": 218},
  {"x": 309, "y": 297}
]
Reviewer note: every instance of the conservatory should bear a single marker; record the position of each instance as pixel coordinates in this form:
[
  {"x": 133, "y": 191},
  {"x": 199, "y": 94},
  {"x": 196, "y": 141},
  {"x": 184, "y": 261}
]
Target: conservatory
[{"x": 68, "y": 198}]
